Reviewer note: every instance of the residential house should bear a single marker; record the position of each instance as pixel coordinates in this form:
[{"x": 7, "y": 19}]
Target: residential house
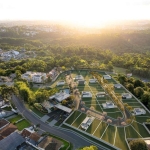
[
  {"x": 50, "y": 143},
  {"x": 108, "y": 104},
  {"x": 35, "y": 77},
  {"x": 118, "y": 86},
  {"x": 87, "y": 122},
  {"x": 100, "y": 94},
  {"x": 86, "y": 94},
  {"x": 7, "y": 130},
  {"x": 2, "y": 102},
  {"x": 107, "y": 77},
  {"x": 126, "y": 96},
  {"x": 139, "y": 111},
  {"x": 59, "y": 97},
  {"x": 92, "y": 80},
  {"x": 3, "y": 123},
  {"x": 79, "y": 77},
  {"x": 81, "y": 82},
  {"x": 60, "y": 83},
  {"x": 12, "y": 141}
]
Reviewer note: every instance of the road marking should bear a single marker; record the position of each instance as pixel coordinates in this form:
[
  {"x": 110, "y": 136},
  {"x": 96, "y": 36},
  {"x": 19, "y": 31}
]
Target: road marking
[
  {"x": 104, "y": 131},
  {"x": 137, "y": 122},
  {"x": 125, "y": 132},
  {"x": 95, "y": 98},
  {"x": 97, "y": 127},
  {"x": 143, "y": 116},
  {"x": 76, "y": 118},
  {"x": 136, "y": 131},
  {"x": 115, "y": 136}
]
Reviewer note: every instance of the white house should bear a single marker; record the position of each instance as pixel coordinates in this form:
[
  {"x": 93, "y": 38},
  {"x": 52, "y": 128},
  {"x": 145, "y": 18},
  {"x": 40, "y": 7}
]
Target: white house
[
  {"x": 36, "y": 77},
  {"x": 139, "y": 111},
  {"x": 92, "y": 80},
  {"x": 126, "y": 96},
  {"x": 108, "y": 104},
  {"x": 39, "y": 77},
  {"x": 86, "y": 94},
  {"x": 100, "y": 94},
  {"x": 106, "y": 77},
  {"x": 2, "y": 102},
  {"x": 118, "y": 86},
  {"x": 59, "y": 83},
  {"x": 11, "y": 54},
  {"x": 87, "y": 122},
  {"x": 59, "y": 97},
  {"x": 28, "y": 76},
  {"x": 81, "y": 82},
  {"x": 79, "y": 77}
]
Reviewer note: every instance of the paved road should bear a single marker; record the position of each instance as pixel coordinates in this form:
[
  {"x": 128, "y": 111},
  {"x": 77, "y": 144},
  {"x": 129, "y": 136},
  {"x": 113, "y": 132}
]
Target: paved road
[{"x": 73, "y": 138}]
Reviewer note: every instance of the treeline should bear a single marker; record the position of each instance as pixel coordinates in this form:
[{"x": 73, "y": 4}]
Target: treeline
[
  {"x": 140, "y": 89},
  {"x": 51, "y": 56}
]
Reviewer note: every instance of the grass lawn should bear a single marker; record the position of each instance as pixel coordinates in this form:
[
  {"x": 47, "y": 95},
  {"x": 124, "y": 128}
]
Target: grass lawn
[
  {"x": 96, "y": 107},
  {"x": 120, "y": 139},
  {"x": 130, "y": 100},
  {"x": 110, "y": 131},
  {"x": 7, "y": 108},
  {"x": 115, "y": 114},
  {"x": 112, "y": 81},
  {"x": 119, "y": 70},
  {"x": 40, "y": 114},
  {"x": 140, "y": 129},
  {"x": 100, "y": 130},
  {"x": 22, "y": 124},
  {"x": 13, "y": 120},
  {"x": 120, "y": 91},
  {"x": 131, "y": 133},
  {"x": 141, "y": 119},
  {"x": 79, "y": 120},
  {"x": 134, "y": 104},
  {"x": 73, "y": 117},
  {"x": 89, "y": 137},
  {"x": 93, "y": 126},
  {"x": 111, "y": 110}
]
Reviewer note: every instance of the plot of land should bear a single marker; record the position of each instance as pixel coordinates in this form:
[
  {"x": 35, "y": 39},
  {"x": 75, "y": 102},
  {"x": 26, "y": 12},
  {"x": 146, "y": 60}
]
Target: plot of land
[{"x": 99, "y": 129}]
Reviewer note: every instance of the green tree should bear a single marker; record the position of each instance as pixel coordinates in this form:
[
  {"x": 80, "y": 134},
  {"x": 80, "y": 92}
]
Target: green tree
[
  {"x": 138, "y": 144},
  {"x": 138, "y": 91},
  {"x": 90, "y": 148},
  {"x": 145, "y": 98}
]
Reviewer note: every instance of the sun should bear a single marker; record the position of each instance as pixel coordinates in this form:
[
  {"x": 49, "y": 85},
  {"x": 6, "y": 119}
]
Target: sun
[{"x": 79, "y": 12}]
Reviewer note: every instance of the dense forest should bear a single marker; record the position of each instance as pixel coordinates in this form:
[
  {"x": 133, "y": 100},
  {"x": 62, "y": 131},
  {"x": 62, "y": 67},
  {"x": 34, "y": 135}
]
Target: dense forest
[{"x": 65, "y": 47}]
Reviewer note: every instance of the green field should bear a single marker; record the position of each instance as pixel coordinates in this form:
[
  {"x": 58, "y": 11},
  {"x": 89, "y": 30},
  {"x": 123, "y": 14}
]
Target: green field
[
  {"x": 73, "y": 117},
  {"x": 120, "y": 139},
  {"x": 93, "y": 126},
  {"x": 14, "y": 119},
  {"x": 109, "y": 133},
  {"x": 131, "y": 133},
  {"x": 100, "y": 130},
  {"x": 79, "y": 120},
  {"x": 22, "y": 124}
]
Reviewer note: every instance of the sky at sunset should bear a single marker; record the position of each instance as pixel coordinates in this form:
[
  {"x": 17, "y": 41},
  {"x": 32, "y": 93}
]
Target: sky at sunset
[{"x": 84, "y": 12}]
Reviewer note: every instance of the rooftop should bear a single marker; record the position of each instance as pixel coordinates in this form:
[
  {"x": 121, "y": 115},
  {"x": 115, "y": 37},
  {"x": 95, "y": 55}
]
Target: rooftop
[
  {"x": 34, "y": 136},
  {"x": 8, "y": 130},
  {"x": 66, "y": 109},
  {"x": 60, "y": 96},
  {"x": 46, "y": 144},
  {"x": 25, "y": 133},
  {"x": 12, "y": 141},
  {"x": 3, "y": 122}
]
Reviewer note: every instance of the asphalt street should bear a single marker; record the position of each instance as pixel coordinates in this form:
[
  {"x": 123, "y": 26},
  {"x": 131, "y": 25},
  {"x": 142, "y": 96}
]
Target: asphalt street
[{"x": 76, "y": 140}]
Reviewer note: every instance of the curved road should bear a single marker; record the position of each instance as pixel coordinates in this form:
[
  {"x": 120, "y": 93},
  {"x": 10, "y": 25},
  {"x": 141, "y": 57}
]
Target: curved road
[{"x": 76, "y": 140}]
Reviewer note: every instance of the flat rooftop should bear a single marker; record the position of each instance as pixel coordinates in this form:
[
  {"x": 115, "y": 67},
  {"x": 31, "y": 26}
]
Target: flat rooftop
[{"x": 64, "y": 108}]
